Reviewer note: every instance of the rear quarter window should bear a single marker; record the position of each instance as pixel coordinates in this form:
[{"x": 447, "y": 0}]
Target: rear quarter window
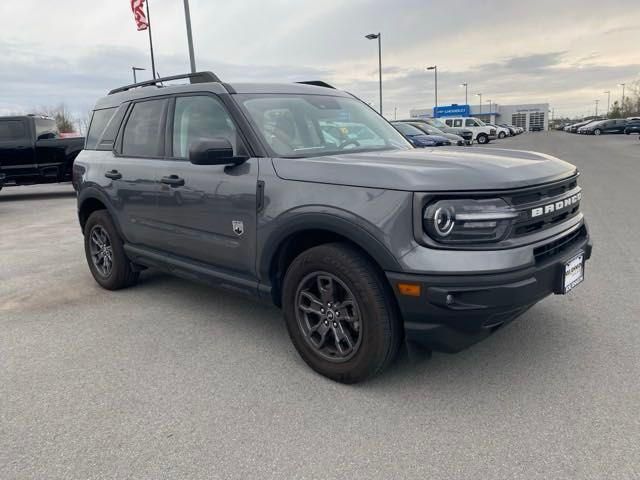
[{"x": 99, "y": 122}]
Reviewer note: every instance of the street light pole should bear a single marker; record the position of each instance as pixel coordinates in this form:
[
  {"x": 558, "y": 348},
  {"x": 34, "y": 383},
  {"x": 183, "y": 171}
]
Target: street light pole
[
  {"x": 622, "y": 105},
  {"x": 489, "y": 102},
  {"x": 597, "y": 101},
  {"x": 187, "y": 18},
  {"x": 134, "y": 69},
  {"x": 435, "y": 70},
  {"x": 608, "y": 92},
  {"x": 480, "y": 95},
  {"x": 373, "y": 36},
  {"x": 466, "y": 92}
]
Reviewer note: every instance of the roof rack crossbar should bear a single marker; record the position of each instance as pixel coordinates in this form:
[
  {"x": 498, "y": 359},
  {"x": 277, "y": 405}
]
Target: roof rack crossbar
[{"x": 198, "y": 77}]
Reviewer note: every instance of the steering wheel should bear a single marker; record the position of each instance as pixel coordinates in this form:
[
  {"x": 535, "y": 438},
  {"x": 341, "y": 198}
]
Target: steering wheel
[{"x": 349, "y": 141}]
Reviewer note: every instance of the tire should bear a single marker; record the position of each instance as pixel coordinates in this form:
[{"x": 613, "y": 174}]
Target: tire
[
  {"x": 482, "y": 139},
  {"x": 100, "y": 229},
  {"x": 502, "y": 135},
  {"x": 597, "y": 131},
  {"x": 376, "y": 333}
]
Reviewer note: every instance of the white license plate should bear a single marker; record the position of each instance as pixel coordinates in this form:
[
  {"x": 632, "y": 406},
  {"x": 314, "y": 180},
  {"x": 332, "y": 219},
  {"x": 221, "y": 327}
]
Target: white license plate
[{"x": 573, "y": 272}]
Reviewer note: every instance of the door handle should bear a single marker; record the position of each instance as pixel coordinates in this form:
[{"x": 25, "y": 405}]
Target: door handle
[
  {"x": 173, "y": 180},
  {"x": 113, "y": 175}
]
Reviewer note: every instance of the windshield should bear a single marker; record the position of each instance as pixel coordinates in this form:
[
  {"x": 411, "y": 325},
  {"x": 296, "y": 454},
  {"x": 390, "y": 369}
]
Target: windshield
[
  {"x": 294, "y": 125},
  {"x": 407, "y": 129},
  {"x": 437, "y": 123},
  {"x": 428, "y": 129}
]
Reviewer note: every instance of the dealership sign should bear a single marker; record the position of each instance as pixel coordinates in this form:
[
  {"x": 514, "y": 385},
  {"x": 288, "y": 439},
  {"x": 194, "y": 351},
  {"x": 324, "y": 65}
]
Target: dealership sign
[{"x": 452, "y": 111}]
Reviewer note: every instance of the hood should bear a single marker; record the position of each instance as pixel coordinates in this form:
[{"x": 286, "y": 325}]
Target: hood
[{"x": 428, "y": 170}]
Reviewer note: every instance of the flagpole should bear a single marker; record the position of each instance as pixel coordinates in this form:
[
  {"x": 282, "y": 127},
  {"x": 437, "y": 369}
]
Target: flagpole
[
  {"x": 187, "y": 17},
  {"x": 153, "y": 62}
]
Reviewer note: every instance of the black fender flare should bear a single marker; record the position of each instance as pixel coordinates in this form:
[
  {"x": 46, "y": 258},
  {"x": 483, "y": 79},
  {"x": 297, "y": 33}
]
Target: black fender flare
[
  {"x": 337, "y": 222},
  {"x": 94, "y": 193}
]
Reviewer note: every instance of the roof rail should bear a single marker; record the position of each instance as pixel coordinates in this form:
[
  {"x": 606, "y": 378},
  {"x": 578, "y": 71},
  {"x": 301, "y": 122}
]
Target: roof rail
[
  {"x": 198, "y": 77},
  {"x": 318, "y": 83}
]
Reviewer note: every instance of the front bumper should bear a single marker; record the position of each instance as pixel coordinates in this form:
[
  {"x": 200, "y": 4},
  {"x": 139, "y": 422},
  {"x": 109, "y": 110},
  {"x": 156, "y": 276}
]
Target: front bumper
[{"x": 453, "y": 312}]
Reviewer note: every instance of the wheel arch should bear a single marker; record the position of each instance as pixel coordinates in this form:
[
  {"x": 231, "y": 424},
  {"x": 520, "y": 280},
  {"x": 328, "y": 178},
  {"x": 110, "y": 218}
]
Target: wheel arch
[
  {"x": 309, "y": 230},
  {"x": 90, "y": 200}
]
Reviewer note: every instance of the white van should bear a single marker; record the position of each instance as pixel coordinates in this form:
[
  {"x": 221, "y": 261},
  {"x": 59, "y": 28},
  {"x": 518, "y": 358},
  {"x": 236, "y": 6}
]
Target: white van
[{"x": 481, "y": 133}]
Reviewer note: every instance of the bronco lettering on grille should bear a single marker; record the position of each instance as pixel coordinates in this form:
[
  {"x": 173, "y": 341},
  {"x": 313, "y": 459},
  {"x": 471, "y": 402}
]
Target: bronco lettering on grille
[{"x": 556, "y": 206}]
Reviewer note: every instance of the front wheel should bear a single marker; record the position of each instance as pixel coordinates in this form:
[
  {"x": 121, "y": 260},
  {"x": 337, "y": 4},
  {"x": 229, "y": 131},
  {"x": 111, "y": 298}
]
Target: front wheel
[
  {"x": 482, "y": 139},
  {"x": 597, "y": 131},
  {"x": 340, "y": 313},
  {"x": 105, "y": 254},
  {"x": 502, "y": 135}
]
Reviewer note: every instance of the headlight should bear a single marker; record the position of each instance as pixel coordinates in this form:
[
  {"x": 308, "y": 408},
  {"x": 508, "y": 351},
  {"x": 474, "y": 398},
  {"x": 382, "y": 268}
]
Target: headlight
[{"x": 468, "y": 221}]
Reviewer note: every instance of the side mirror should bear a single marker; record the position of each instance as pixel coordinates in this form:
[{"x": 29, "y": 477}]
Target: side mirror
[{"x": 214, "y": 151}]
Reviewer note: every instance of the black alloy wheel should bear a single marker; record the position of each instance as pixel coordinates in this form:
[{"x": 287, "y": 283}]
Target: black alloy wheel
[
  {"x": 101, "y": 250},
  {"x": 329, "y": 316}
]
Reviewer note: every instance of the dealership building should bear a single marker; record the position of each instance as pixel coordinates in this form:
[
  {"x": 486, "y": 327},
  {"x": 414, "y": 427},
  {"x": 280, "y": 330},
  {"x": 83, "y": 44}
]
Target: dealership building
[{"x": 528, "y": 116}]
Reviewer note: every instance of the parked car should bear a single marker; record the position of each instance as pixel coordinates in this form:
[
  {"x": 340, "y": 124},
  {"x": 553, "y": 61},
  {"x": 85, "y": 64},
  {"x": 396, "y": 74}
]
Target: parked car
[
  {"x": 605, "y": 126},
  {"x": 429, "y": 130},
  {"x": 481, "y": 133},
  {"x": 583, "y": 129},
  {"x": 633, "y": 126},
  {"x": 502, "y": 131},
  {"x": 512, "y": 130},
  {"x": 574, "y": 128},
  {"x": 440, "y": 125},
  {"x": 536, "y": 128},
  {"x": 32, "y": 151},
  {"x": 418, "y": 138},
  {"x": 362, "y": 247}
]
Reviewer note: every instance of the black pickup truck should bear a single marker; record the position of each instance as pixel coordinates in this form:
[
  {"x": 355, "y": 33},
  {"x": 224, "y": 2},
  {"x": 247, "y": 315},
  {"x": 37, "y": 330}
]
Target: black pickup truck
[{"x": 33, "y": 151}]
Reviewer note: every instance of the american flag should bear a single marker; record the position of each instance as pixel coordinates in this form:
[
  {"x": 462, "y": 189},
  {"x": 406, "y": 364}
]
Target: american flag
[{"x": 137, "y": 6}]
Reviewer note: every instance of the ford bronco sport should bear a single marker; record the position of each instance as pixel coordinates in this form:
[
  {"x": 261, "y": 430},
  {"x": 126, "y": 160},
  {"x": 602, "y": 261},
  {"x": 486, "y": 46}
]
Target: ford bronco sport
[{"x": 305, "y": 196}]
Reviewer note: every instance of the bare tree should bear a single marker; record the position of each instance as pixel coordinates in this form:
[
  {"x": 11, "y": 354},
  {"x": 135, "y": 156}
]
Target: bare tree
[{"x": 63, "y": 118}]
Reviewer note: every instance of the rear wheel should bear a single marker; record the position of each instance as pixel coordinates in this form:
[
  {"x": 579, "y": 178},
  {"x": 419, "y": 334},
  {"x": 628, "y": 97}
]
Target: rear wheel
[
  {"x": 597, "y": 131},
  {"x": 482, "y": 139},
  {"x": 105, "y": 254},
  {"x": 340, "y": 314}
]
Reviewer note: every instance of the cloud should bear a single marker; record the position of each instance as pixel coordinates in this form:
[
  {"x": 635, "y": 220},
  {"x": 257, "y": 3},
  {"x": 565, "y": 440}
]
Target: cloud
[{"x": 77, "y": 52}]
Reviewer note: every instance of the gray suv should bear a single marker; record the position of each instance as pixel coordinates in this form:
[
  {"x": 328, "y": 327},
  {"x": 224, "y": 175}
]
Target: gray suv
[{"x": 303, "y": 195}]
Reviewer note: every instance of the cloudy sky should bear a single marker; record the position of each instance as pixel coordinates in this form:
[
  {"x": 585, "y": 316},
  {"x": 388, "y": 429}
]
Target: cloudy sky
[{"x": 565, "y": 52}]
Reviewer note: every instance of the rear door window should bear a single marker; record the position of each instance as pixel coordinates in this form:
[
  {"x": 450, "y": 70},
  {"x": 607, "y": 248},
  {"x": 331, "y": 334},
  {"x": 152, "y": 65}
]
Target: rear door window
[
  {"x": 144, "y": 132},
  {"x": 457, "y": 122},
  {"x": 12, "y": 130}
]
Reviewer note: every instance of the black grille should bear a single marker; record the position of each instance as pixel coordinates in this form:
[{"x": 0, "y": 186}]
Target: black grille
[
  {"x": 563, "y": 244},
  {"x": 525, "y": 201}
]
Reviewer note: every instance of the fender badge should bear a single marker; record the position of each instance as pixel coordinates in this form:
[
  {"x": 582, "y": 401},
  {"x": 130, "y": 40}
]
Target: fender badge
[{"x": 238, "y": 227}]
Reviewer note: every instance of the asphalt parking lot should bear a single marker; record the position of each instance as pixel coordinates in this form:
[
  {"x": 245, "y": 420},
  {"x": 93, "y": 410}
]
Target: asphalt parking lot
[{"x": 172, "y": 379}]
